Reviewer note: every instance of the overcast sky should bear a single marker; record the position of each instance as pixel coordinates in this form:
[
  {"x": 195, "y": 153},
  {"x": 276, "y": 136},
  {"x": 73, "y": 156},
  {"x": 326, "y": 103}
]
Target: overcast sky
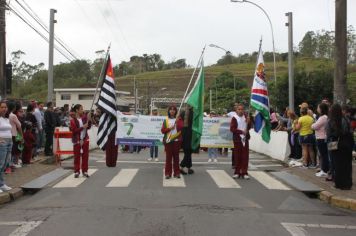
[{"x": 172, "y": 28}]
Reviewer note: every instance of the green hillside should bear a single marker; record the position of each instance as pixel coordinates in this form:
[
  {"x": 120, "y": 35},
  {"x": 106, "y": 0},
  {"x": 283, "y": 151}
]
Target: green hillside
[{"x": 176, "y": 81}]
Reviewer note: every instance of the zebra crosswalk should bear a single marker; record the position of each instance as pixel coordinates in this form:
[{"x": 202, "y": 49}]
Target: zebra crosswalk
[{"x": 126, "y": 176}]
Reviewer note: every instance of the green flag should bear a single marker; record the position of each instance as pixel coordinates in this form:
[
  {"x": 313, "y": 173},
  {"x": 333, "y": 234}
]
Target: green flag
[{"x": 196, "y": 100}]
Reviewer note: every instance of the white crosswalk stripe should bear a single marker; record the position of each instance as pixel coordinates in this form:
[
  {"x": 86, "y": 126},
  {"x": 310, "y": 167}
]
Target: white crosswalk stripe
[
  {"x": 268, "y": 181},
  {"x": 222, "y": 179},
  {"x": 173, "y": 182},
  {"x": 71, "y": 182},
  {"x": 123, "y": 178}
]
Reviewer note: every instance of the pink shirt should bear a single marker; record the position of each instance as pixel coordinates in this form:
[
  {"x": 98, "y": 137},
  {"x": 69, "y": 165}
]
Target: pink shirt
[
  {"x": 15, "y": 124},
  {"x": 319, "y": 127}
]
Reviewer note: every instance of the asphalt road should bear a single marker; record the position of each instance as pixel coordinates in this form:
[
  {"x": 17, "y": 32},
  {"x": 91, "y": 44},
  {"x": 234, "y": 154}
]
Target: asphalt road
[{"x": 138, "y": 201}]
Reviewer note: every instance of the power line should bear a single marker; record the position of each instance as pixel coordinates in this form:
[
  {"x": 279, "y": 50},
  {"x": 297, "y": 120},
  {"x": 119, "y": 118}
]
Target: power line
[
  {"x": 39, "y": 33},
  {"x": 34, "y": 16}
]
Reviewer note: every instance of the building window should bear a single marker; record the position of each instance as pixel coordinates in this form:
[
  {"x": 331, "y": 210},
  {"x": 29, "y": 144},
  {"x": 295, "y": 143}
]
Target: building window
[
  {"x": 85, "y": 97},
  {"x": 65, "y": 97}
]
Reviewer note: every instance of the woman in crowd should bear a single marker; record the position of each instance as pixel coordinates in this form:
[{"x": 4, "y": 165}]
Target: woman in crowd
[
  {"x": 29, "y": 143},
  {"x": 16, "y": 131},
  {"x": 171, "y": 128},
  {"x": 306, "y": 138},
  {"x": 338, "y": 130},
  {"x": 319, "y": 127},
  {"x": 5, "y": 144},
  {"x": 80, "y": 139},
  {"x": 296, "y": 149},
  {"x": 30, "y": 117},
  {"x": 274, "y": 119}
]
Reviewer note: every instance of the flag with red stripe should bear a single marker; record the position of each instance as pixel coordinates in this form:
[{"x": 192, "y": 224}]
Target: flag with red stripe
[
  {"x": 260, "y": 100},
  {"x": 107, "y": 105}
]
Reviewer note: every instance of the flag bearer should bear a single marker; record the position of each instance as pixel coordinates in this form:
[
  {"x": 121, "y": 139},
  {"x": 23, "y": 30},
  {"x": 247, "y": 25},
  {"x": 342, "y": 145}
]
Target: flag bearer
[
  {"x": 240, "y": 126},
  {"x": 79, "y": 126},
  {"x": 171, "y": 128}
]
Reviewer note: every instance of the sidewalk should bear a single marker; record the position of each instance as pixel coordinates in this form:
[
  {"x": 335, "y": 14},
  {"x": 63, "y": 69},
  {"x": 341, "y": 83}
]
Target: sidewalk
[
  {"x": 24, "y": 175},
  {"x": 336, "y": 197}
]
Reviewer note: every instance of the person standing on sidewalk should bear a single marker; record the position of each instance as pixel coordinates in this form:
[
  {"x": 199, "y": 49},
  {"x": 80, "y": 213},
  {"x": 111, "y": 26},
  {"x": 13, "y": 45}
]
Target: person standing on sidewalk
[
  {"x": 338, "y": 130},
  {"x": 29, "y": 143},
  {"x": 306, "y": 137},
  {"x": 319, "y": 127},
  {"x": 240, "y": 126},
  {"x": 50, "y": 125},
  {"x": 212, "y": 152},
  {"x": 80, "y": 139},
  {"x": 17, "y": 135},
  {"x": 5, "y": 144},
  {"x": 171, "y": 128}
]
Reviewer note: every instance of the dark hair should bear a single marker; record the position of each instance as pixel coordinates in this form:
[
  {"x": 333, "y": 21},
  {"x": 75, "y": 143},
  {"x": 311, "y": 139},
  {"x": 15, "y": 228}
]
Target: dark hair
[
  {"x": 335, "y": 117},
  {"x": 29, "y": 108},
  {"x": 76, "y": 107},
  {"x": 49, "y": 104},
  {"x": 304, "y": 110},
  {"x": 170, "y": 108},
  {"x": 17, "y": 107},
  {"x": 324, "y": 108}
]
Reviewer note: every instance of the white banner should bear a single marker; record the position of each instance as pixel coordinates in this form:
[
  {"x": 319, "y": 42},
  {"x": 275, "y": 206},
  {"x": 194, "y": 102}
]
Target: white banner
[{"x": 146, "y": 131}]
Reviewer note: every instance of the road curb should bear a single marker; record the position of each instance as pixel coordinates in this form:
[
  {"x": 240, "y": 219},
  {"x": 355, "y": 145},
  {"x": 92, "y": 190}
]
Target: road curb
[
  {"x": 16, "y": 193},
  {"x": 4, "y": 198},
  {"x": 338, "y": 201}
]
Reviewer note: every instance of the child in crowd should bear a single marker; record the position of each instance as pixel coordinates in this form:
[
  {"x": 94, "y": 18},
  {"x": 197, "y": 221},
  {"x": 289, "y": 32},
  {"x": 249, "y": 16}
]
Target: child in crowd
[{"x": 29, "y": 143}]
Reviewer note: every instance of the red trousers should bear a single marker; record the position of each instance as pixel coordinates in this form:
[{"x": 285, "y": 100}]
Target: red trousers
[
  {"x": 241, "y": 156},
  {"x": 81, "y": 156},
  {"x": 111, "y": 151},
  {"x": 172, "y": 153},
  {"x": 27, "y": 155}
]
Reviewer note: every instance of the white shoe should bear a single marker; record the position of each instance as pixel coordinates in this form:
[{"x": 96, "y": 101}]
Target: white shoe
[
  {"x": 215, "y": 160},
  {"x": 209, "y": 160},
  {"x": 17, "y": 166},
  {"x": 1, "y": 191},
  {"x": 321, "y": 174},
  {"x": 5, "y": 188},
  {"x": 235, "y": 176},
  {"x": 149, "y": 159},
  {"x": 156, "y": 159},
  {"x": 246, "y": 177}
]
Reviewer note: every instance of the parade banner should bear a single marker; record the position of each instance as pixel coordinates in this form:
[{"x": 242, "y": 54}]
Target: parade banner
[{"x": 146, "y": 131}]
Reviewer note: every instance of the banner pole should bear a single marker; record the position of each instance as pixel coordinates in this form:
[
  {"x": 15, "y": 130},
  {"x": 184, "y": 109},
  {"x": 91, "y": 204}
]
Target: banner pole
[{"x": 186, "y": 91}]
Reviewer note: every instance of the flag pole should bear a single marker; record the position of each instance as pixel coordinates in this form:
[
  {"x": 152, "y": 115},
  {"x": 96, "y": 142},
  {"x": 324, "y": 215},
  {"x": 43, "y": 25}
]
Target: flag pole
[
  {"x": 258, "y": 56},
  {"x": 191, "y": 78},
  {"x": 102, "y": 71}
]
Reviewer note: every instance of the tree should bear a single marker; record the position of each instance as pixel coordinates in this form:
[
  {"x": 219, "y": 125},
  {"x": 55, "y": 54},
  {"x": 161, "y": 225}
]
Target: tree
[{"x": 307, "y": 46}]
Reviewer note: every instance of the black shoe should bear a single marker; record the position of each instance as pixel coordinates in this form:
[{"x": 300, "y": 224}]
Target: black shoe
[
  {"x": 190, "y": 171},
  {"x": 177, "y": 176},
  {"x": 76, "y": 175},
  {"x": 183, "y": 172},
  {"x": 168, "y": 177},
  {"x": 85, "y": 174}
]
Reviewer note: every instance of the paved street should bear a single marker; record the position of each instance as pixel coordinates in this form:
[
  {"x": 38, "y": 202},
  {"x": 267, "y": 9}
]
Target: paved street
[{"x": 135, "y": 199}]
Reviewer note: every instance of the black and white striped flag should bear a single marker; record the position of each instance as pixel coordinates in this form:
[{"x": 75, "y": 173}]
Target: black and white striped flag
[{"x": 107, "y": 104}]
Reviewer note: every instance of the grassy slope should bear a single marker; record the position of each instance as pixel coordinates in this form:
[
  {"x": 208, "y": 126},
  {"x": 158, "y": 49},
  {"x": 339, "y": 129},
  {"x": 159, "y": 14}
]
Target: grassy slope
[{"x": 176, "y": 81}]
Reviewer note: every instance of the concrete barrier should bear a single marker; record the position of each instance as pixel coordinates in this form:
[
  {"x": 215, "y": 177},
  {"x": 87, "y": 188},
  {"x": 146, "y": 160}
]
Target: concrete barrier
[{"x": 278, "y": 147}]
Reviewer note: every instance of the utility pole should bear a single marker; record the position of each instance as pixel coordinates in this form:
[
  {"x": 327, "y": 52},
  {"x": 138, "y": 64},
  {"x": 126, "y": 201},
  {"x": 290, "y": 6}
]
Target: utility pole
[
  {"x": 50, "y": 57},
  {"x": 340, "y": 52},
  {"x": 135, "y": 94},
  {"x": 2, "y": 50},
  {"x": 211, "y": 99},
  {"x": 290, "y": 61}
]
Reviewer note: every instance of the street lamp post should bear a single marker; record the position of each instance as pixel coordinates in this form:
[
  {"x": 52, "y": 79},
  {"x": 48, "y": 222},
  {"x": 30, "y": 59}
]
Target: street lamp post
[
  {"x": 227, "y": 53},
  {"x": 270, "y": 23}
]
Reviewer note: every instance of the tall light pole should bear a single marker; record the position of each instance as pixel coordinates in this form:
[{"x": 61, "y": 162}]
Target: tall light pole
[
  {"x": 290, "y": 60},
  {"x": 270, "y": 23},
  {"x": 227, "y": 53}
]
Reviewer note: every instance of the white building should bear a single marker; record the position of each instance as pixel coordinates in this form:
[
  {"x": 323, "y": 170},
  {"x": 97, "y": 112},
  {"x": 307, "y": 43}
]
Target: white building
[{"x": 84, "y": 96}]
